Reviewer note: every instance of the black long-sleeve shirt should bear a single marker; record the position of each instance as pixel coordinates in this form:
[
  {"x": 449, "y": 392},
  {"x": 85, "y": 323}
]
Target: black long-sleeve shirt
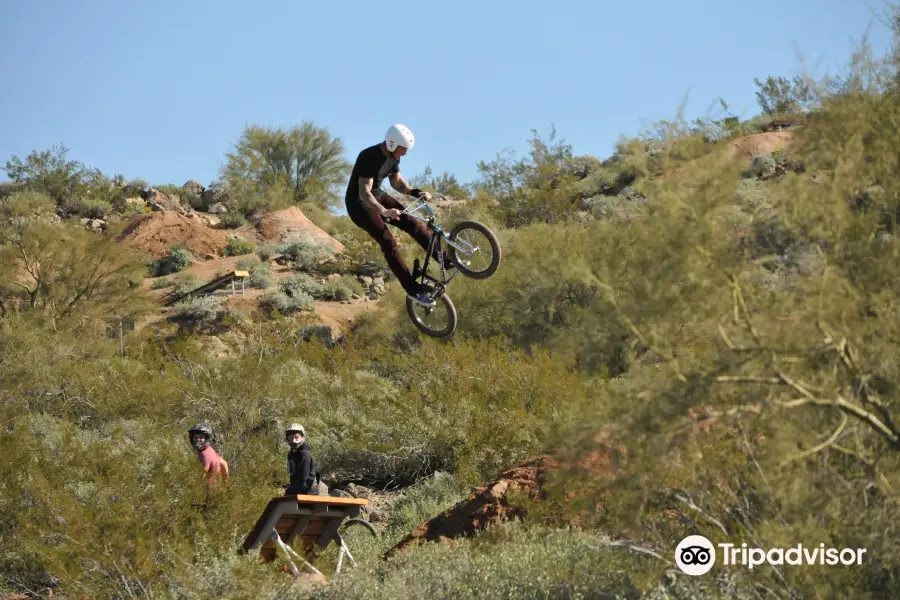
[{"x": 302, "y": 469}]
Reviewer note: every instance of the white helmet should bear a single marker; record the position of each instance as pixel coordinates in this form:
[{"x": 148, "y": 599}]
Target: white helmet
[
  {"x": 294, "y": 428},
  {"x": 399, "y": 135}
]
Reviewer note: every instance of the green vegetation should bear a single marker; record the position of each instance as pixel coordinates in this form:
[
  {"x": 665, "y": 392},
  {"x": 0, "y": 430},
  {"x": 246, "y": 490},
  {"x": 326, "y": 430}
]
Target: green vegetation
[
  {"x": 271, "y": 167},
  {"x": 178, "y": 260},
  {"x": 732, "y": 323},
  {"x": 232, "y": 220},
  {"x": 260, "y": 272},
  {"x": 238, "y": 247}
]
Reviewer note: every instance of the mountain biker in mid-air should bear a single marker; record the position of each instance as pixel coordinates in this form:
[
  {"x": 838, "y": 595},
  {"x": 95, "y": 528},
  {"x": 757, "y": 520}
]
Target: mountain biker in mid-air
[{"x": 368, "y": 205}]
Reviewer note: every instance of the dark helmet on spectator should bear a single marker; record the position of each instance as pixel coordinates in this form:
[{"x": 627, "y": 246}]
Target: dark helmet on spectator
[{"x": 203, "y": 429}]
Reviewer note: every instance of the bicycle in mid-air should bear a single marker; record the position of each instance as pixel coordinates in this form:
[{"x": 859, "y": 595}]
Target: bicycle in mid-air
[{"x": 463, "y": 252}]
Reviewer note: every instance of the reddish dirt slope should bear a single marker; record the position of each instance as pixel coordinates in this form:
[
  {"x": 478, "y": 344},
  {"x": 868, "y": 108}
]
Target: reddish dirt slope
[
  {"x": 742, "y": 149},
  {"x": 758, "y": 144},
  {"x": 290, "y": 225},
  {"x": 156, "y": 232},
  {"x": 490, "y": 503}
]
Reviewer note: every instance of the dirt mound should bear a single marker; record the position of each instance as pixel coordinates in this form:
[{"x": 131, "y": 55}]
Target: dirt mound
[
  {"x": 291, "y": 225},
  {"x": 758, "y": 144},
  {"x": 491, "y": 503},
  {"x": 157, "y": 232}
]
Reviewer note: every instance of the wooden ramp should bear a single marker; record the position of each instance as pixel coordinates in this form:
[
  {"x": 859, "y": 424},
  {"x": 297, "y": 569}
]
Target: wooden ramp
[
  {"x": 212, "y": 286},
  {"x": 314, "y": 519}
]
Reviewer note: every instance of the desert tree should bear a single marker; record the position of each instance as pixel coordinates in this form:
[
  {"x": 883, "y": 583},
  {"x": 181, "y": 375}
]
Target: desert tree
[{"x": 304, "y": 160}]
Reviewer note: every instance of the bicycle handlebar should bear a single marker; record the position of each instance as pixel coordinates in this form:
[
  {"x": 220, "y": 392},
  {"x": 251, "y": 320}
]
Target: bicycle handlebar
[{"x": 423, "y": 205}]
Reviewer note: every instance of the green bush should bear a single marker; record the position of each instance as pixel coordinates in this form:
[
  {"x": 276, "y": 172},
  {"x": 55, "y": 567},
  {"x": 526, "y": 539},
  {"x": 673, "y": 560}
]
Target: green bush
[
  {"x": 185, "y": 282},
  {"x": 131, "y": 210},
  {"x": 296, "y": 293},
  {"x": 203, "y": 310},
  {"x": 238, "y": 247},
  {"x": 299, "y": 284},
  {"x": 340, "y": 289},
  {"x": 306, "y": 256},
  {"x": 322, "y": 333},
  {"x": 360, "y": 256},
  {"x": 260, "y": 272},
  {"x": 288, "y": 304},
  {"x": 420, "y": 502},
  {"x": 94, "y": 208},
  {"x": 232, "y": 220},
  {"x": 517, "y": 561},
  {"x": 267, "y": 251},
  {"x": 179, "y": 259}
]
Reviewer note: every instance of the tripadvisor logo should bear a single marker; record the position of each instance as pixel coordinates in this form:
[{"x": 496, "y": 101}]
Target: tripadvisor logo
[{"x": 696, "y": 555}]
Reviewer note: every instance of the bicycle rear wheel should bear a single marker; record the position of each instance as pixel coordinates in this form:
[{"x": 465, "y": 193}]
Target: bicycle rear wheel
[{"x": 352, "y": 528}]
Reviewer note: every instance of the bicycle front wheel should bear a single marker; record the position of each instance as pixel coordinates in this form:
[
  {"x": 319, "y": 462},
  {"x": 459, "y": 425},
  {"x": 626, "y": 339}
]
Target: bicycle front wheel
[{"x": 478, "y": 245}]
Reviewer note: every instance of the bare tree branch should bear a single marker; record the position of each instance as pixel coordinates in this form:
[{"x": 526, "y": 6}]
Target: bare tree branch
[{"x": 818, "y": 448}]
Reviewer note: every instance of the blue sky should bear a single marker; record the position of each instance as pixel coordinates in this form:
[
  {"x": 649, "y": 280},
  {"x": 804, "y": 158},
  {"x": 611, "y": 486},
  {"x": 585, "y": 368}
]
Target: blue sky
[{"x": 161, "y": 89}]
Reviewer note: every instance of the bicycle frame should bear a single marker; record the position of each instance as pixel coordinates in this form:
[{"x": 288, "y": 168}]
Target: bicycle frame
[{"x": 437, "y": 236}]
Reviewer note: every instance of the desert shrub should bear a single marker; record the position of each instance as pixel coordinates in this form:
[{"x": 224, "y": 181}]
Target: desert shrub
[
  {"x": 178, "y": 259},
  {"x": 386, "y": 430},
  {"x": 244, "y": 197},
  {"x": 238, "y": 247},
  {"x": 267, "y": 251},
  {"x": 185, "y": 282},
  {"x": 202, "y": 310},
  {"x": 322, "y": 333},
  {"x": 753, "y": 357},
  {"x": 131, "y": 210},
  {"x": 420, "y": 502},
  {"x": 260, "y": 272},
  {"x": 230, "y": 220},
  {"x": 340, "y": 289},
  {"x": 288, "y": 304},
  {"x": 360, "y": 256},
  {"x": 751, "y": 194},
  {"x": 306, "y": 255},
  {"x": 514, "y": 560},
  {"x": 94, "y": 208},
  {"x": 300, "y": 284}
]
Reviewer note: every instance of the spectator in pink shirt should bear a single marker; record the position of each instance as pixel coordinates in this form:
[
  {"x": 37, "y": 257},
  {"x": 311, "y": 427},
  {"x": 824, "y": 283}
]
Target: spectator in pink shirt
[{"x": 214, "y": 465}]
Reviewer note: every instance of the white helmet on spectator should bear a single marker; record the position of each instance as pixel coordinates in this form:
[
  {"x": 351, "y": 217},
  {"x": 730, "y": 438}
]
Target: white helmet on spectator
[
  {"x": 399, "y": 135},
  {"x": 294, "y": 428}
]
